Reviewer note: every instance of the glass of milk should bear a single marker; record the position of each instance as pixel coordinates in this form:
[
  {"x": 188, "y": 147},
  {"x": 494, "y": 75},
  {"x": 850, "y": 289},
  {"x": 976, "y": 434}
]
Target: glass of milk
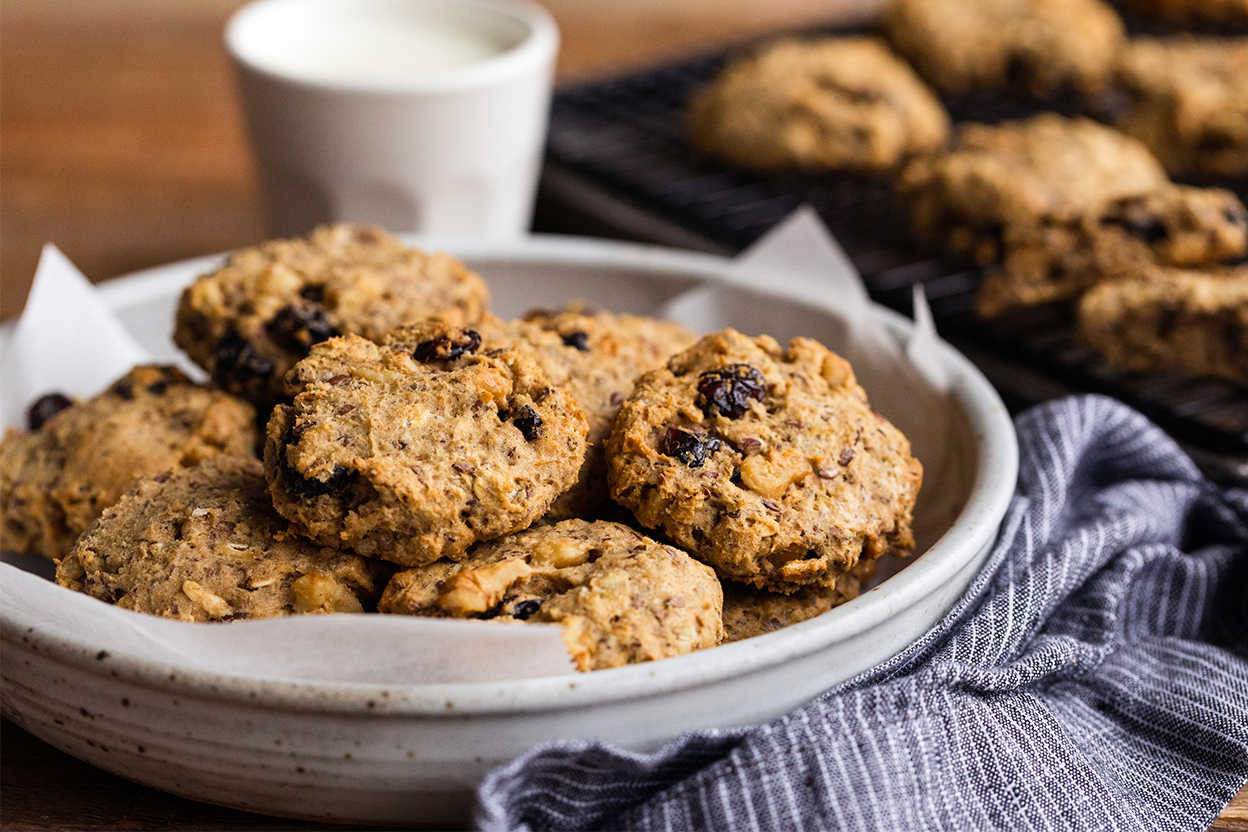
[{"x": 417, "y": 115}]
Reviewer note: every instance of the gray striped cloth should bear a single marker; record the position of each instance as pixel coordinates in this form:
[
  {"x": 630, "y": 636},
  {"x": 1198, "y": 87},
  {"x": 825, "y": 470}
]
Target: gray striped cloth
[{"x": 1094, "y": 676}]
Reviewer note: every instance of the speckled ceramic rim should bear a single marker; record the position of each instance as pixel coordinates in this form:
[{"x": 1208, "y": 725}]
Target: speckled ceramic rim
[{"x": 976, "y": 527}]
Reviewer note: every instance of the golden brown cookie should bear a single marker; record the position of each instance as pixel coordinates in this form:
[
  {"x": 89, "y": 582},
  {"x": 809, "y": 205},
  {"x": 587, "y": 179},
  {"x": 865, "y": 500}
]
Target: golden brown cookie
[
  {"x": 621, "y": 597},
  {"x": 766, "y": 463},
  {"x": 828, "y": 104},
  {"x": 249, "y": 322},
  {"x": 1195, "y": 322},
  {"x": 596, "y": 356},
  {"x": 80, "y": 458},
  {"x": 416, "y": 448},
  {"x": 1190, "y": 102},
  {"x": 1040, "y": 47},
  {"x": 750, "y": 612},
  {"x": 204, "y": 544}
]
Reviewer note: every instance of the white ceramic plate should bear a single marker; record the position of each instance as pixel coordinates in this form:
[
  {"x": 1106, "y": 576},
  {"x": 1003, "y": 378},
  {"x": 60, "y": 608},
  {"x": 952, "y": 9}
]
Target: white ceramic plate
[{"x": 411, "y": 754}]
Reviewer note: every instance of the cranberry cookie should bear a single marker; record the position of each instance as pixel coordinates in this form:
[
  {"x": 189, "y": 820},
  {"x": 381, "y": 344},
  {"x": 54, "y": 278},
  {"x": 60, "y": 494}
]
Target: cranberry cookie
[
  {"x": 204, "y": 544},
  {"x": 766, "y": 463},
  {"x": 621, "y": 597},
  {"x": 250, "y": 321},
  {"x": 416, "y": 448},
  {"x": 78, "y": 459}
]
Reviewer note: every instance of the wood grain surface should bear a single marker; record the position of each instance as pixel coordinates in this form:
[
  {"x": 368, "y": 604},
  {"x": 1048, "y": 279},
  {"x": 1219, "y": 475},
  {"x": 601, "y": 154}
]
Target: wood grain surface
[{"x": 122, "y": 143}]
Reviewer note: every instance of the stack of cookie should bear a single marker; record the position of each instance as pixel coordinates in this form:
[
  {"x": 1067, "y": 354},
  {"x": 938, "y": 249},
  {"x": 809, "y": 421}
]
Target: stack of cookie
[
  {"x": 652, "y": 493},
  {"x": 1051, "y": 206}
]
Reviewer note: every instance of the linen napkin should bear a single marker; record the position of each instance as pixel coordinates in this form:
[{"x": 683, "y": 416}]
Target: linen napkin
[{"x": 1094, "y": 676}]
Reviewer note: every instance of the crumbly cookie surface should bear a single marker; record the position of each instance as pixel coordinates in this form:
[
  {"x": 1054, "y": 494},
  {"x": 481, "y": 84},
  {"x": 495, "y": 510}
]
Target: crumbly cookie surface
[
  {"x": 416, "y": 448},
  {"x": 829, "y": 104},
  {"x": 1038, "y": 46},
  {"x": 56, "y": 480},
  {"x": 1173, "y": 226},
  {"x": 249, "y": 322},
  {"x": 1190, "y": 102},
  {"x": 596, "y": 356},
  {"x": 204, "y": 544},
  {"x": 750, "y": 612},
  {"x": 621, "y": 597},
  {"x": 1172, "y": 319},
  {"x": 1021, "y": 173},
  {"x": 766, "y": 463}
]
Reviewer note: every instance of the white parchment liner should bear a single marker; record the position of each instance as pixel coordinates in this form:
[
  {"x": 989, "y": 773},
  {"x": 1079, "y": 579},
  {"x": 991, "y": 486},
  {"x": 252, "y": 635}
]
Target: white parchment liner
[{"x": 68, "y": 340}]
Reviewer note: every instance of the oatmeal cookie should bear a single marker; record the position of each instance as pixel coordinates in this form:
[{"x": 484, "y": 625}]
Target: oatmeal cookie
[
  {"x": 1172, "y": 319},
  {"x": 416, "y": 448},
  {"x": 1173, "y": 226},
  {"x": 249, "y": 322},
  {"x": 750, "y": 612},
  {"x": 830, "y": 104},
  {"x": 596, "y": 356},
  {"x": 1040, "y": 47},
  {"x": 204, "y": 544},
  {"x": 1190, "y": 102},
  {"x": 766, "y": 463},
  {"x": 621, "y": 597},
  {"x": 79, "y": 458},
  {"x": 1021, "y": 174}
]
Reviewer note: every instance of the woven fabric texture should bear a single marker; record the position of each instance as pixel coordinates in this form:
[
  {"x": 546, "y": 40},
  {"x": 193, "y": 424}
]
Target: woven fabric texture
[{"x": 1094, "y": 677}]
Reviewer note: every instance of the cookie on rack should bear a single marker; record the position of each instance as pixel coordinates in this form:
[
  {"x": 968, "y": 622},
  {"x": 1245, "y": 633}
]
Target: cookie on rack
[
  {"x": 1040, "y": 47},
  {"x": 814, "y": 105},
  {"x": 1189, "y": 102},
  {"x": 204, "y": 544},
  {"x": 1175, "y": 225},
  {"x": 415, "y": 448},
  {"x": 596, "y": 356},
  {"x": 621, "y": 597},
  {"x": 248, "y": 322},
  {"x": 766, "y": 463},
  {"x": 1047, "y": 168},
  {"x": 750, "y": 612},
  {"x": 79, "y": 458},
  {"x": 1193, "y": 322}
]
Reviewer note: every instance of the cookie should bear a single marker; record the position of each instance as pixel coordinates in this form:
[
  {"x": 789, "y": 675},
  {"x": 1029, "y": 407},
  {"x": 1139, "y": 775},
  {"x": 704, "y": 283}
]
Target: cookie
[
  {"x": 249, "y": 322},
  {"x": 1039, "y": 47},
  {"x": 414, "y": 449},
  {"x": 596, "y": 356},
  {"x": 829, "y": 104},
  {"x": 1232, "y": 13},
  {"x": 1019, "y": 174},
  {"x": 204, "y": 544},
  {"x": 750, "y": 612},
  {"x": 621, "y": 597},
  {"x": 768, "y": 464},
  {"x": 1195, "y": 322},
  {"x": 1189, "y": 102},
  {"x": 81, "y": 457},
  {"x": 1173, "y": 226}
]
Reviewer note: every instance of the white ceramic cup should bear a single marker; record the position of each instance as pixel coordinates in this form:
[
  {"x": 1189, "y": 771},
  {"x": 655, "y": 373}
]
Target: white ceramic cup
[{"x": 417, "y": 115}]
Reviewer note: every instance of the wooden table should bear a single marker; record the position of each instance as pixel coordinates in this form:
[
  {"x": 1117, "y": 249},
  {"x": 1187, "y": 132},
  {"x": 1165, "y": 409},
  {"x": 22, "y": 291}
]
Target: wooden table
[{"x": 121, "y": 142}]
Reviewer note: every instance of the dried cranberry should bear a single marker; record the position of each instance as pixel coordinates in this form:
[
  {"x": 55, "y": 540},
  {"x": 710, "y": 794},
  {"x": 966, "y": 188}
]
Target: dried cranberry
[
  {"x": 578, "y": 339},
  {"x": 302, "y": 486},
  {"x": 314, "y": 292},
  {"x": 527, "y": 420},
  {"x": 729, "y": 390},
  {"x": 448, "y": 347},
  {"x": 525, "y": 609},
  {"x": 690, "y": 448},
  {"x": 45, "y": 407},
  {"x": 297, "y": 328},
  {"x": 238, "y": 363}
]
